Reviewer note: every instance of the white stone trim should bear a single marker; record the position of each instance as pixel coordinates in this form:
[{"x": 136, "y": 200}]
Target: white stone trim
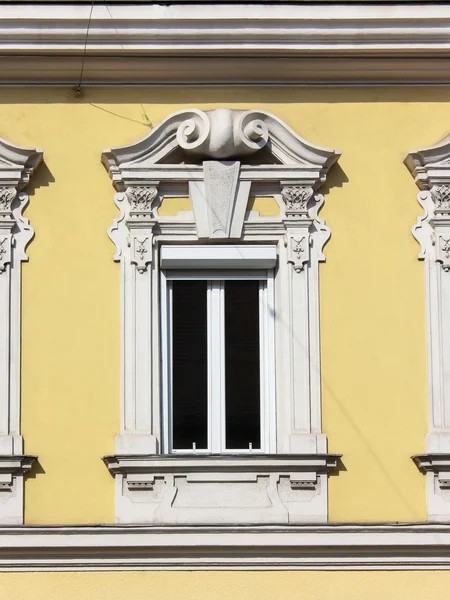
[
  {"x": 16, "y": 166},
  {"x": 148, "y": 44},
  {"x": 431, "y": 171},
  {"x": 288, "y": 479},
  {"x": 218, "y": 257},
  {"x": 203, "y": 28},
  {"x": 142, "y": 176},
  {"x": 125, "y": 548}
]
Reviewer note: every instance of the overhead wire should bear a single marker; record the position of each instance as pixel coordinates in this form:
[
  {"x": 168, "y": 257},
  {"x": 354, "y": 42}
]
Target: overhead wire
[{"x": 77, "y": 88}]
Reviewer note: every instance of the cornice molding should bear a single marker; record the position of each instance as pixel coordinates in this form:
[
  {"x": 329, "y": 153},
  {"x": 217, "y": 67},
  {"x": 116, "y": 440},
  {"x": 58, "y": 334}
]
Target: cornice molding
[
  {"x": 302, "y": 547},
  {"x": 198, "y": 44},
  {"x": 11, "y": 466},
  {"x": 437, "y": 463},
  {"x": 205, "y": 29}
]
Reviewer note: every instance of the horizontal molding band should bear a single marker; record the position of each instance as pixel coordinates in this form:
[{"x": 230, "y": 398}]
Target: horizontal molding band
[
  {"x": 199, "y": 44},
  {"x": 318, "y": 547},
  {"x": 110, "y": 71},
  {"x": 204, "y": 29}
]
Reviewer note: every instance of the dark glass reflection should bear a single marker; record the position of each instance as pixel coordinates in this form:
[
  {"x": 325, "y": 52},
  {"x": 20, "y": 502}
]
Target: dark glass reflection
[
  {"x": 189, "y": 365},
  {"x": 242, "y": 365}
]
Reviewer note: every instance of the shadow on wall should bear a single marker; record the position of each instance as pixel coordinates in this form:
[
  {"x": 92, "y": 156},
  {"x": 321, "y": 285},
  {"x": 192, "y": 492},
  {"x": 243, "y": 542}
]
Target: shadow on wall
[
  {"x": 43, "y": 177},
  {"x": 194, "y": 96},
  {"x": 336, "y": 177},
  {"x": 36, "y": 469}
]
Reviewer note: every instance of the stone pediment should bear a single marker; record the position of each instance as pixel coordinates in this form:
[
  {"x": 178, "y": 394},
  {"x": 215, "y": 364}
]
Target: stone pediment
[
  {"x": 219, "y": 154},
  {"x": 220, "y": 134},
  {"x": 430, "y": 166}
]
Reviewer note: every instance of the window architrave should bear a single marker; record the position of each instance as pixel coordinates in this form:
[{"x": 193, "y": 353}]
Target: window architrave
[
  {"x": 17, "y": 165},
  {"x": 290, "y": 170},
  {"x": 430, "y": 168}
]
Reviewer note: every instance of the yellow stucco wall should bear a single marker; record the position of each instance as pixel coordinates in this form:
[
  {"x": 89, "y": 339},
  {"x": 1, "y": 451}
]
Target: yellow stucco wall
[
  {"x": 378, "y": 585},
  {"x": 372, "y": 294}
]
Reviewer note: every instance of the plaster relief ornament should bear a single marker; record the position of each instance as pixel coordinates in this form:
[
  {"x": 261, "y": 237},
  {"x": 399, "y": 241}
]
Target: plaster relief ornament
[
  {"x": 296, "y": 199},
  {"x": 7, "y": 195},
  {"x": 142, "y": 253},
  {"x": 141, "y": 199},
  {"x": 430, "y": 168},
  {"x": 16, "y": 166},
  {"x": 219, "y": 189},
  {"x": 441, "y": 196},
  {"x": 299, "y": 255},
  {"x": 218, "y": 158},
  {"x": 4, "y": 252}
]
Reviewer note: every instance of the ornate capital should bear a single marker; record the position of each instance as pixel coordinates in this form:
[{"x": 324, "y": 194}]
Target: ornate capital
[
  {"x": 141, "y": 199},
  {"x": 7, "y": 195},
  {"x": 296, "y": 198},
  {"x": 441, "y": 197}
]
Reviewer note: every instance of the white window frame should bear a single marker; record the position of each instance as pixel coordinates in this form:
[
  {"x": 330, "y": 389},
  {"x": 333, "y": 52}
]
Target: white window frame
[
  {"x": 165, "y": 163},
  {"x": 16, "y": 167},
  {"x": 431, "y": 172},
  {"x": 216, "y": 360}
]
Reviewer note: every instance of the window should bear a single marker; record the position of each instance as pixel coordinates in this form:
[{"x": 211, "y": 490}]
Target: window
[
  {"x": 430, "y": 169},
  {"x": 220, "y": 413},
  {"x": 218, "y": 379},
  {"x": 16, "y": 167}
]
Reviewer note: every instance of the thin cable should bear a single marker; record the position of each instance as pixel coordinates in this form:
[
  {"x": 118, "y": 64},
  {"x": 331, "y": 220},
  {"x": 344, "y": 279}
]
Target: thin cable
[{"x": 78, "y": 87}]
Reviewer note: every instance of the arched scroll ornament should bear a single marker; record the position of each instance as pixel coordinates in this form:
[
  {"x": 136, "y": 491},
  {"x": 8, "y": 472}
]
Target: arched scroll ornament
[
  {"x": 430, "y": 168},
  {"x": 16, "y": 167},
  {"x": 218, "y": 158}
]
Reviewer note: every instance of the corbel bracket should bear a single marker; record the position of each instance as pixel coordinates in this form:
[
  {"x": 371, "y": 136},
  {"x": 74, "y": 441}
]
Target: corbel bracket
[
  {"x": 437, "y": 463},
  {"x": 11, "y": 466}
]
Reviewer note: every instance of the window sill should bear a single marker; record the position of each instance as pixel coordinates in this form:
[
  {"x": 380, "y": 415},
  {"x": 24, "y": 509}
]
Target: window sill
[{"x": 221, "y": 489}]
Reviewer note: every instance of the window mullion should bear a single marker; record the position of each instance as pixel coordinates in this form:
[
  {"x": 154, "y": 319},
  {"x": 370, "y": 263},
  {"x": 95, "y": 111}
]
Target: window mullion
[{"x": 215, "y": 364}]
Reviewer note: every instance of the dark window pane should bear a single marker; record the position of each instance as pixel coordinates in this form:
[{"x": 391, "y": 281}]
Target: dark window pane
[
  {"x": 190, "y": 377},
  {"x": 242, "y": 377}
]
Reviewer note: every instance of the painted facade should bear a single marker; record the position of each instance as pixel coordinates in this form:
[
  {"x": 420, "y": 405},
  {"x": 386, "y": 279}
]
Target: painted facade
[{"x": 379, "y": 535}]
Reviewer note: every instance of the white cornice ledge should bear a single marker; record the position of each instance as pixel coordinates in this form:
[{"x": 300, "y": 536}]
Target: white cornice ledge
[
  {"x": 308, "y": 547},
  {"x": 296, "y": 465},
  {"x": 198, "y": 44},
  {"x": 437, "y": 463},
  {"x": 12, "y": 465},
  {"x": 430, "y": 166},
  {"x": 228, "y": 28}
]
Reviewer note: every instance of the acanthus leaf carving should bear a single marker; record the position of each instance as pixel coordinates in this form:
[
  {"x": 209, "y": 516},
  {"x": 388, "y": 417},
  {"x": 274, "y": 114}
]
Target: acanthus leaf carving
[
  {"x": 306, "y": 221},
  {"x": 136, "y": 207},
  {"x": 141, "y": 200},
  {"x": 441, "y": 197},
  {"x": 7, "y": 195},
  {"x": 296, "y": 198}
]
